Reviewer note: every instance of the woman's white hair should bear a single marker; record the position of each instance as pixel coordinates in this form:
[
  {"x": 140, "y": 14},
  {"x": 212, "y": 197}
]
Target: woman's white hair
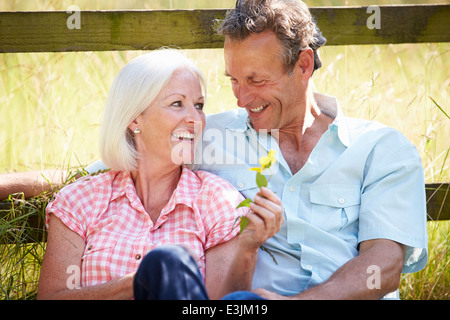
[{"x": 133, "y": 90}]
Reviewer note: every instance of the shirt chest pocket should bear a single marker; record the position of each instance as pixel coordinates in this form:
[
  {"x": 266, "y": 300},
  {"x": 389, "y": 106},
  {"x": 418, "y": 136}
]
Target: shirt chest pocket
[{"x": 335, "y": 207}]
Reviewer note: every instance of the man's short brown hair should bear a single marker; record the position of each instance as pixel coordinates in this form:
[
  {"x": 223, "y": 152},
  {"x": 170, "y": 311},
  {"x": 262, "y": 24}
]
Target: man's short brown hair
[{"x": 290, "y": 20}]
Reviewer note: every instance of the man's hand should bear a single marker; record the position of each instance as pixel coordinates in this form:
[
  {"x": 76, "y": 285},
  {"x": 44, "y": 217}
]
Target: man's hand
[
  {"x": 265, "y": 221},
  {"x": 265, "y": 218}
]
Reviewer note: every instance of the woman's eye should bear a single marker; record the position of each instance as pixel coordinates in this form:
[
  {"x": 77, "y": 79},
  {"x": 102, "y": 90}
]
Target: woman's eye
[{"x": 176, "y": 104}]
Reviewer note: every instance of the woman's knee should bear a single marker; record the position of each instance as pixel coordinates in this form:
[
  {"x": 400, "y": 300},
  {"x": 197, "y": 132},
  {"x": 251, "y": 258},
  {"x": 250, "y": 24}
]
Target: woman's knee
[{"x": 169, "y": 272}]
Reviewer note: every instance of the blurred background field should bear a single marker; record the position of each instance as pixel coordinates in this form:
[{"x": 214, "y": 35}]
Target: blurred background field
[{"x": 50, "y": 105}]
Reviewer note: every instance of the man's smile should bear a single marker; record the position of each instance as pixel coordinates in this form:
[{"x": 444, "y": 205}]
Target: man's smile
[{"x": 260, "y": 108}]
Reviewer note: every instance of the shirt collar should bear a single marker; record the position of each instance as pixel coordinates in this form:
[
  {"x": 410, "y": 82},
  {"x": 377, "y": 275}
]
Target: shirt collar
[
  {"x": 329, "y": 105},
  {"x": 186, "y": 191},
  {"x": 123, "y": 184},
  {"x": 241, "y": 123}
]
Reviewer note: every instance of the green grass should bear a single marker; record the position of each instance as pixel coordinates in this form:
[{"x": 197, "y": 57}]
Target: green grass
[
  {"x": 21, "y": 261},
  {"x": 433, "y": 282},
  {"x": 51, "y": 105}
]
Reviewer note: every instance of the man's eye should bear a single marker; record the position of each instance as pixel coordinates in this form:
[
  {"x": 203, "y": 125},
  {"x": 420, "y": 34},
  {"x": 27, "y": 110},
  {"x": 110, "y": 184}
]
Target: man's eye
[{"x": 199, "y": 106}]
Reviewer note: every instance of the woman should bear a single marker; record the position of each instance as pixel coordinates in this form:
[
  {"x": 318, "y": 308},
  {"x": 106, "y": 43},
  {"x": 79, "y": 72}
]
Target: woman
[{"x": 101, "y": 227}]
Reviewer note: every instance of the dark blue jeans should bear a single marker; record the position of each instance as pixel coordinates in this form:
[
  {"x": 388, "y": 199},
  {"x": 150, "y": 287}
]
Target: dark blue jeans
[{"x": 170, "y": 273}]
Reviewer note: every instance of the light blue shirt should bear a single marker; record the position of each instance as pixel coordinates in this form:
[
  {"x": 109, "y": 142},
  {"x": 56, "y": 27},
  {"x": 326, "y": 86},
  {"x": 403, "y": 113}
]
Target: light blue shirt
[{"x": 362, "y": 181}]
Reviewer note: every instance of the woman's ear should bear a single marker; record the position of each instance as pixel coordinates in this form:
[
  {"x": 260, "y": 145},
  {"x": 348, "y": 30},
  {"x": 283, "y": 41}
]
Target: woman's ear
[{"x": 134, "y": 125}]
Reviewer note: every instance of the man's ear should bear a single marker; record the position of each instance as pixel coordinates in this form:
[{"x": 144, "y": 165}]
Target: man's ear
[{"x": 306, "y": 62}]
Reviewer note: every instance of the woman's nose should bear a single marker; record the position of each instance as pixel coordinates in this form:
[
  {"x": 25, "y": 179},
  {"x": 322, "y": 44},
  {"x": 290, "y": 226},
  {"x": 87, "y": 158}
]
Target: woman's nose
[{"x": 194, "y": 114}]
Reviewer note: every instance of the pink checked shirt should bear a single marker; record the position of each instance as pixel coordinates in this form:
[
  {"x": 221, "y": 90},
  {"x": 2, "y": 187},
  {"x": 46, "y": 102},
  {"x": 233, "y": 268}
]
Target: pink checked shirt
[{"x": 106, "y": 212}]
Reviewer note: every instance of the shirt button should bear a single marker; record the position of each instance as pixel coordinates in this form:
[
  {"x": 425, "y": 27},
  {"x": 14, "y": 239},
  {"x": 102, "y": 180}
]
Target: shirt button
[
  {"x": 308, "y": 267},
  {"x": 341, "y": 200},
  {"x": 292, "y": 189},
  {"x": 240, "y": 185},
  {"x": 90, "y": 247},
  {"x": 138, "y": 256}
]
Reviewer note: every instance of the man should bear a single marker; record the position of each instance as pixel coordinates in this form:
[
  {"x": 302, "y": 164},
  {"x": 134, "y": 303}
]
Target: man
[{"x": 352, "y": 190}]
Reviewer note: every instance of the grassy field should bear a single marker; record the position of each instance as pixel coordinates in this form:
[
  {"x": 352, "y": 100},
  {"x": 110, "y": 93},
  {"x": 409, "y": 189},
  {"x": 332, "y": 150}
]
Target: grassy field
[{"x": 51, "y": 104}]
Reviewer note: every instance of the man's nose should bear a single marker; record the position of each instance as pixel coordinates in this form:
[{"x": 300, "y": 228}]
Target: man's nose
[{"x": 244, "y": 95}]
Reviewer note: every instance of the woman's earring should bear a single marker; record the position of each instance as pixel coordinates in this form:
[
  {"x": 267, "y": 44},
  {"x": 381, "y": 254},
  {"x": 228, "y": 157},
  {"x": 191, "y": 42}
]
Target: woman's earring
[{"x": 137, "y": 131}]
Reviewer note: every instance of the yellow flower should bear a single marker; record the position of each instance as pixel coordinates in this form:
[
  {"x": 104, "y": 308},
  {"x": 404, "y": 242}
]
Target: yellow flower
[
  {"x": 269, "y": 160},
  {"x": 266, "y": 162}
]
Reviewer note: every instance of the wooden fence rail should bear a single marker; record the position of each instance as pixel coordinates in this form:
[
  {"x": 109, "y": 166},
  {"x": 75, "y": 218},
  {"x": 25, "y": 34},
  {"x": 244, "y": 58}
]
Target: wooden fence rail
[{"x": 188, "y": 29}]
